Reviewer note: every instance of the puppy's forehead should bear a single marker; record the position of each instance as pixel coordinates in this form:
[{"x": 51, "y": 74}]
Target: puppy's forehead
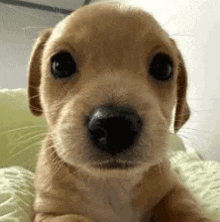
[{"x": 106, "y": 19}]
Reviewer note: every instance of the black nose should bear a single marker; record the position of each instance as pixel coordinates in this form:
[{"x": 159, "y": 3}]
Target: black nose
[{"x": 114, "y": 129}]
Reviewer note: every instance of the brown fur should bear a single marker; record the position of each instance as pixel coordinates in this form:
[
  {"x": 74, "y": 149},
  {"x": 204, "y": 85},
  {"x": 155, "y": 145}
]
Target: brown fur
[{"x": 112, "y": 45}]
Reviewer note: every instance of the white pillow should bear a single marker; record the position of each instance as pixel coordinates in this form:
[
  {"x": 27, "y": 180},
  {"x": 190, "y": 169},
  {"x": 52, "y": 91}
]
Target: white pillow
[{"x": 16, "y": 194}]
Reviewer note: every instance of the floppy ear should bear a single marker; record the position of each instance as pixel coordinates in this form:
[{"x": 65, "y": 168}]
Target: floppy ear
[
  {"x": 34, "y": 73},
  {"x": 182, "y": 109}
]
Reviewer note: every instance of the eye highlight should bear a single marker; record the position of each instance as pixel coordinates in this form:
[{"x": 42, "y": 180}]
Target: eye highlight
[
  {"x": 161, "y": 67},
  {"x": 63, "y": 65}
]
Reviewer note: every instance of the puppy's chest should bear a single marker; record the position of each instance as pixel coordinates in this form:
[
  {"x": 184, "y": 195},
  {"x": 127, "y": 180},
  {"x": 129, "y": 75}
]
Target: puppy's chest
[{"x": 109, "y": 201}]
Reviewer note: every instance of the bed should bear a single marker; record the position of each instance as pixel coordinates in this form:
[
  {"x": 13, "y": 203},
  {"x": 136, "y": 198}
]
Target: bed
[{"x": 20, "y": 140}]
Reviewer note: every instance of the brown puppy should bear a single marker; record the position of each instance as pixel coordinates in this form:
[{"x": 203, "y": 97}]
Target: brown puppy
[{"x": 107, "y": 78}]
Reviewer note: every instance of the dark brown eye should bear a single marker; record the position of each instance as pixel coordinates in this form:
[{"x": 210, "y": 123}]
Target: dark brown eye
[
  {"x": 161, "y": 67},
  {"x": 63, "y": 65}
]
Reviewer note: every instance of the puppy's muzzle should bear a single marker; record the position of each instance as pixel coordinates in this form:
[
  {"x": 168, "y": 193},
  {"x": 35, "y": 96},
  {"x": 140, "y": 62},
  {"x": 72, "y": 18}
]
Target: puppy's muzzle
[{"x": 114, "y": 129}]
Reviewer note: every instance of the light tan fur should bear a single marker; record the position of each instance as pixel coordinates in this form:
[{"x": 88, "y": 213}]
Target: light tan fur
[{"x": 112, "y": 45}]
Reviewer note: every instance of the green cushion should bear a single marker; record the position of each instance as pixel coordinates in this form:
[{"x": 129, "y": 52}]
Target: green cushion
[{"x": 21, "y": 133}]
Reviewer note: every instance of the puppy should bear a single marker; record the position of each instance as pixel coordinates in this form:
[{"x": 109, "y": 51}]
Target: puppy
[{"x": 107, "y": 79}]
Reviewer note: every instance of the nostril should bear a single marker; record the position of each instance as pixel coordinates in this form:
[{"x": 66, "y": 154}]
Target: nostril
[
  {"x": 99, "y": 134},
  {"x": 114, "y": 129}
]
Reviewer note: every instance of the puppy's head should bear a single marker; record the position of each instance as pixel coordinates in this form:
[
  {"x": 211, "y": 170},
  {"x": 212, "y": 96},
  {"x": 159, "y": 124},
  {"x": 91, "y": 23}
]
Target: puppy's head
[{"x": 107, "y": 78}]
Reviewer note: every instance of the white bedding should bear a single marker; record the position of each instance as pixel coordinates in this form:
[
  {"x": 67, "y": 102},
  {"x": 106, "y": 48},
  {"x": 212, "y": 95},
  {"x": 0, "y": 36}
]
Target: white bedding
[
  {"x": 16, "y": 194},
  {"x": 202, "y": 178}
]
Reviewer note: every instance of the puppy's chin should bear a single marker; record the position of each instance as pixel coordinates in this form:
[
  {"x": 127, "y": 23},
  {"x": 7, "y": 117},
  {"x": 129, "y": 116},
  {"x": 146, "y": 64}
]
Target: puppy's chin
[
  {"x": 112, "y": 165},
  {"x": 117, "y": 169}
]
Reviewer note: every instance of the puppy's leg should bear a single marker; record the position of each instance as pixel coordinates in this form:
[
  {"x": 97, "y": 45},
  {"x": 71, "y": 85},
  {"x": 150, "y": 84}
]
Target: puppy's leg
[
  {"x": 179, "y": 205},
  {"x": 63, "y": 218}
]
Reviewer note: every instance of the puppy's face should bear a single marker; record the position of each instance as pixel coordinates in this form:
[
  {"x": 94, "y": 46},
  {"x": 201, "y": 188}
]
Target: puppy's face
[{"x": 108, "y": 69}]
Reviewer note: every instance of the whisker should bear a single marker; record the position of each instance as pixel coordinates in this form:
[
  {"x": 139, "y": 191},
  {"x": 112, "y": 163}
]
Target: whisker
[
  {"x": 18, "y": 153},
  {"x": 27, "y": 135},
  {"x": 22, "y": 128},
  {"x": 25, "y": 141}
]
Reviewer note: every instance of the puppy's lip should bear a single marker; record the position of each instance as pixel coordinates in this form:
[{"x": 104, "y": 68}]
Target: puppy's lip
[{"x": 114, "y": 165}]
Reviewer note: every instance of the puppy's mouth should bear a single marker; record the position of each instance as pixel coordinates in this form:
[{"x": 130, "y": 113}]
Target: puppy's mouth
[{"x": 114, "y": 165}]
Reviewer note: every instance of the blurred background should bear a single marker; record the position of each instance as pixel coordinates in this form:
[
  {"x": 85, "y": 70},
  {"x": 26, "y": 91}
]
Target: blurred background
[{"x": 193, "y": 24}]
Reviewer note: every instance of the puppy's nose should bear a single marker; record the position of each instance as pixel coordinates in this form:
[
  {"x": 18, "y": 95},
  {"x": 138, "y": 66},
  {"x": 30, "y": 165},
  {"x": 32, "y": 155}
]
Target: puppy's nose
[{"x": 114, "y": 129}]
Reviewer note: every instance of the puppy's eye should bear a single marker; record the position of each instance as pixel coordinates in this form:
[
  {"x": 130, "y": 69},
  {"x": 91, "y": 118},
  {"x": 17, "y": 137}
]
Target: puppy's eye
[
  {"x": 63, "y": 65},
  {"x": 161, "y": 67}
]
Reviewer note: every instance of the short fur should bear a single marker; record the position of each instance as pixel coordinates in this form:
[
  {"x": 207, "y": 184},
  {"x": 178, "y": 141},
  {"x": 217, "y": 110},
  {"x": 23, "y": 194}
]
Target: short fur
[{"x": 113, "y": 45}]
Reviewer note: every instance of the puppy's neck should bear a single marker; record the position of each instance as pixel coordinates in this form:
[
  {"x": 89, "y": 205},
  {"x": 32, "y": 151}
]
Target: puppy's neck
[{"x": 112, "y": 198}]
